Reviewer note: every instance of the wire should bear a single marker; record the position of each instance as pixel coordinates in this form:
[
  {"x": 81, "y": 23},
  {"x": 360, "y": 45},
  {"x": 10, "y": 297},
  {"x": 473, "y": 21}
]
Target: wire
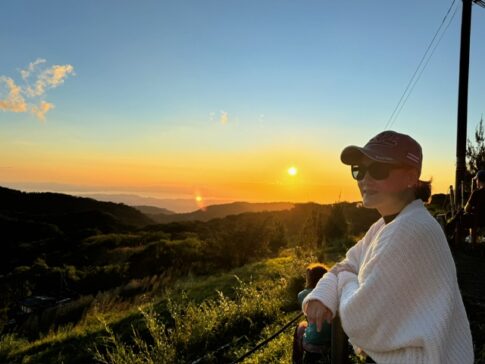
[
  {"x": 224, "y": 347},
  {"x": 267, "y": 340},
  {"x": 480, "y": 3},
  {"x": 411, "y": 81},
  {"x": 424, "y": 67}
]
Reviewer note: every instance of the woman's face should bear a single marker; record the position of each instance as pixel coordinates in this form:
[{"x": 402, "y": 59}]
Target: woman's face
[{"x": 387, "y": 195}]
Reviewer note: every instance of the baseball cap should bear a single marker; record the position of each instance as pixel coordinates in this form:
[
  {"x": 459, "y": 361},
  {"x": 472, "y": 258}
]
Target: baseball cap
[{"x": 386, "y": 147}]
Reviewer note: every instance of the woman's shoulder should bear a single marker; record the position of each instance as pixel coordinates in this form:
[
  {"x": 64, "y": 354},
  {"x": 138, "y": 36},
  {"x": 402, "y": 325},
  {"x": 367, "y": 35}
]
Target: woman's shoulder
[
  {"x": 375, "y": 227},
  {"x": 416, "y": 224},
  {"x": 417, "y": 215}
]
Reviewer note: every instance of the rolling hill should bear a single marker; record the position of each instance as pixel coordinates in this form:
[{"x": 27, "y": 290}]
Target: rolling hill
[
  {"x": 220, "y": 211},
  {"x": 66, "y": 210}
]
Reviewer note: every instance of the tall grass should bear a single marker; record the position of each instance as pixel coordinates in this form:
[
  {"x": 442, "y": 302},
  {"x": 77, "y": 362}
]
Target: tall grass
[
  {"x": 197, "y": 328},
  {"x": 160, "y": 351},
  {"x": 191, "y": 320},
  {"x": 193, "y": 326}
]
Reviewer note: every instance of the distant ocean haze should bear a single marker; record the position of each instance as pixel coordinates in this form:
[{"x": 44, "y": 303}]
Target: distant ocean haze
[{"x": 174, "y": 205}]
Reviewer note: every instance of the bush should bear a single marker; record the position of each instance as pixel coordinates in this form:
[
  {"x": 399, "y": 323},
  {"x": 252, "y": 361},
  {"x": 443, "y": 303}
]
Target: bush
[
  {"x": 196, "y": 328},
  {"x": 10, "y": 344},
  {"x": 54, "y": 317},
  {"x": 160, "y": 351}
]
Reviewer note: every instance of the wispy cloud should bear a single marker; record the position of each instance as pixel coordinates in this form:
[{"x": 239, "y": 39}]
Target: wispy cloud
[
  {"x": 41, "y": 110},
  {"x": 224, "y": 117},
  {"x": 30, "y": 69},
  {"x": 13, "y": 101},
  {"x": 30, "y": 96}
]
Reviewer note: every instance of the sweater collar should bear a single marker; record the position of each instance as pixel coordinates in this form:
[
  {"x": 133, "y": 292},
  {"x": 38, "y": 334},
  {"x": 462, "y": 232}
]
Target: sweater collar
[{"x": 408, "y": 208}]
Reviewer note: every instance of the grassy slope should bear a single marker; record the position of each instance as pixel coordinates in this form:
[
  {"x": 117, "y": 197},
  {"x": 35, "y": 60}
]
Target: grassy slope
[
  {"x": 205, "y": 320},
  {"x": 264, "y": 305}
]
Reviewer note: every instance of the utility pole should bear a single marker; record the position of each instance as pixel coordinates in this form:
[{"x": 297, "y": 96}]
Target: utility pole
[
  {"x": 461, "y": 138},
  {"x": 466, "y": 20}
]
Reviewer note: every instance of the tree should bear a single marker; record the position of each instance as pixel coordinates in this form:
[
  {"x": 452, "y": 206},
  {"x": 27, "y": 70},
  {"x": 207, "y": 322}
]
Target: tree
[
  {"x": 278, "y": 238},
  {"x": 336, "y": 226},
  {"x": 312, "y": 234},
  {"x": 476, "y": 153}
]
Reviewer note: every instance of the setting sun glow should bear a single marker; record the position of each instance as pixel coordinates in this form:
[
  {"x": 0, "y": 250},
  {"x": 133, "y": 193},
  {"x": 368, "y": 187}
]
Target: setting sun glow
[{"x": 292, "y": 171}]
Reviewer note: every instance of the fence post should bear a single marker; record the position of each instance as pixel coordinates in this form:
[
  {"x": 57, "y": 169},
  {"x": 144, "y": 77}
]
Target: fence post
[{"x": 340, "y": 347}]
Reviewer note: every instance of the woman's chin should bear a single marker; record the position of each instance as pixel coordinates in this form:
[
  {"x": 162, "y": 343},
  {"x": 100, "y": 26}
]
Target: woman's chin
[{"x": 370, "y": 200}]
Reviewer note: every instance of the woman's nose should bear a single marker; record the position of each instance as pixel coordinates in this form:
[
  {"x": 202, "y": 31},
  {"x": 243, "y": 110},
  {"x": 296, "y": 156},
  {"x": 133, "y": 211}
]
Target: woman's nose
[{"x": 366, "y": 177}]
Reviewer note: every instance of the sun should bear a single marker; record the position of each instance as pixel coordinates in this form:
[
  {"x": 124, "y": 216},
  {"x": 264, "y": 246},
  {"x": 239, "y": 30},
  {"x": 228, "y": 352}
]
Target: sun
[
  {"x": 198, "y": 198},
  {"x": 292, "y": 171}
]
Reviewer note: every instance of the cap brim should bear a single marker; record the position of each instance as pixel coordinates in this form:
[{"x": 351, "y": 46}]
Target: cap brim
[{"x": 353, "y": 155}]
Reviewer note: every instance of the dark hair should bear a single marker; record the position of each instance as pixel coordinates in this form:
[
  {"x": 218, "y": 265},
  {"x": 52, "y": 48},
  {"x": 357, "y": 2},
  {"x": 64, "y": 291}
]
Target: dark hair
[
  {"x": 480, "y": 175},
  {"x": 422, "y": 190},
  {"x": 314, "y": 272}
]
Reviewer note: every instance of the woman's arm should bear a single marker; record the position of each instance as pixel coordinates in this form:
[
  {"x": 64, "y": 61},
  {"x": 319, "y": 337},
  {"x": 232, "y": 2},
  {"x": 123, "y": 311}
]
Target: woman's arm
[
  {"x": 401, "y": 296},
  {"x": 322, "y": 303}
]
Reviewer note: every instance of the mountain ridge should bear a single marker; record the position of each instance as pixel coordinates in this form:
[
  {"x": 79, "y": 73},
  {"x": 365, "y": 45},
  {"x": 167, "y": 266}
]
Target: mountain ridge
[
  {"x": 43, "y": 206},
  {"x": 222, "y": 210}
]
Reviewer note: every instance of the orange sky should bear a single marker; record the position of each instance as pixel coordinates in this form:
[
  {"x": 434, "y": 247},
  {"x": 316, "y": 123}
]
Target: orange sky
[{"x": 259, "y": 175}]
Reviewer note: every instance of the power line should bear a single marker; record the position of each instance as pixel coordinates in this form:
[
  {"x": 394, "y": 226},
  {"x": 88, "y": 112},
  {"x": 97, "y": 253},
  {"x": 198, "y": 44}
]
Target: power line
[
  {"x": 480, "y": 3},
  {"x": 400, "y": 103},
  {"x": 422, "y": 69}
]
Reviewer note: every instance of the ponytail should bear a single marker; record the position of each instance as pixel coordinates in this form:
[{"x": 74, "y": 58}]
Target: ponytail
[{"x": 422, "y": 190}]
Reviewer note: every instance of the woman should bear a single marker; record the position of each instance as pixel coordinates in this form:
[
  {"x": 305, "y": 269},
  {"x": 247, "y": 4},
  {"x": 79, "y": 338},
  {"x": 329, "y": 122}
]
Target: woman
[{"x": 396, "y": 291}]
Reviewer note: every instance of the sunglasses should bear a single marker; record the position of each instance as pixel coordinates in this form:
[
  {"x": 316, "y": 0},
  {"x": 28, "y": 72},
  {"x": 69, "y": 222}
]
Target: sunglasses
[{"x": 378, "y": 171}]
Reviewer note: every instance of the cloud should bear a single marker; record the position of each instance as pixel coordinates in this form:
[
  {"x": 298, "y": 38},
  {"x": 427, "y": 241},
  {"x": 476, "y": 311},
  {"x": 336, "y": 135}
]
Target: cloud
[
  {"x": 26, "y": 73},
  {"x": 50, "y": 78},
  {"x": 224, "y": 117},
  {"x": 211, "y": 115},
  {"x": 13, "y": 100},
  {"x": 30, "y": 97},
  {"x": 41, "y": 110}
]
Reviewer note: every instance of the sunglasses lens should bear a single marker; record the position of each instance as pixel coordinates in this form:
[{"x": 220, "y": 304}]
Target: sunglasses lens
[
  {"x": 379, "y": 171},
  {"x": 358, "y": 172}
]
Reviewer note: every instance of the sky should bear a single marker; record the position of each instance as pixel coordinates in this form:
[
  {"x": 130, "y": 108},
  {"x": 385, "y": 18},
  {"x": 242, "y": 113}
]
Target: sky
[{"x": 218, "y": 100}]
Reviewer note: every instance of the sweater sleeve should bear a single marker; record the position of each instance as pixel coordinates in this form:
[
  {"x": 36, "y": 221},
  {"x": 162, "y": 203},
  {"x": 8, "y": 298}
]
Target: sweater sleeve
[
  {"x": 325, "y": 292},
  {"x": 402, "y": 298},
  {"x": 326, "y": 288},
  {"x": 355, "y": 255}
]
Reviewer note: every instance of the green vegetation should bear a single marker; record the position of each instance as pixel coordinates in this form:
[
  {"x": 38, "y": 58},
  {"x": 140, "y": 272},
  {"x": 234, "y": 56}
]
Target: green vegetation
[
  {"x": 475, "y": 153},
  {"x": 197, "y": 315},
  {"x": 159, "y": 293}
]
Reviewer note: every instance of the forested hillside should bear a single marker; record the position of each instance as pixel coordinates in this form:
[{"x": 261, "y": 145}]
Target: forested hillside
[{"x": 81, "y": 264}]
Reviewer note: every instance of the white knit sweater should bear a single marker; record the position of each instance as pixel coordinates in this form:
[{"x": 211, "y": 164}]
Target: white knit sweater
[{"x": 404, "y": 305}]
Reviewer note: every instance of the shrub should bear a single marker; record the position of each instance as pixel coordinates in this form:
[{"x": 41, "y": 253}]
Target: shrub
[
  {"x": 160, "y": 351},
  {"x": 10, "y": 344},
  {"x": 196, "y": 328}
]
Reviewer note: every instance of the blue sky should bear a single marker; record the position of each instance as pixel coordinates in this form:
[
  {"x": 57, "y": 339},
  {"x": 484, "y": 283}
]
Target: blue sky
[{"x": 155, "y": 78}]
